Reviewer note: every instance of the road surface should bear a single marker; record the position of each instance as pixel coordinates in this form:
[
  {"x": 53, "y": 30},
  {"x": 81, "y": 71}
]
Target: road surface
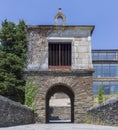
[{"x": 60, "y": 127}]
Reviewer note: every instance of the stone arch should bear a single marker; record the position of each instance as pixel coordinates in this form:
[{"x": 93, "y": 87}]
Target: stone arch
[
  {"x": 60, "y": 15},
  {"x": 60, "y": 87}
]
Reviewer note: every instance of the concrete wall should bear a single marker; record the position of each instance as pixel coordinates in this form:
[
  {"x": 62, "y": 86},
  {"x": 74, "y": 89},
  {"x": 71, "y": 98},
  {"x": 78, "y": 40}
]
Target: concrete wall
[
  {"x": 12, "y": 113},
  {"x": 105, "y": 114}
]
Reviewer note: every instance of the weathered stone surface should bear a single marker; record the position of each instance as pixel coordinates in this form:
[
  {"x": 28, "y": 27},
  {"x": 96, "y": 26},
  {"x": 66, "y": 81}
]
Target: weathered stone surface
[
  {"x": 60, "y": 113},
  {"x": 40, "y": 36},
  {"x": 81, "y": 86},
  {"x": 106, "y": 113},
  {"x": 12, "y": 113},
  {"x": 76, "y": 81}
]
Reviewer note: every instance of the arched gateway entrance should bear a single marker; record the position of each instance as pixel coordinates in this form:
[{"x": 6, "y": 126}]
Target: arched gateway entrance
[
  {"x": 60, "y": 61},
  {"x": 64, "y": 90}
]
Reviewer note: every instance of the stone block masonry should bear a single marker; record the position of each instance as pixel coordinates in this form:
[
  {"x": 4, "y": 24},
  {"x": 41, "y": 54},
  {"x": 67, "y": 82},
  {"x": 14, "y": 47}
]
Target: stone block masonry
[
  {"x": 12, "y": 113},
  {"x": 50, "y": 82},
  {"x": 52, "y": 76},
  {"x": 60, "y": 113},
  {"x": 39, "y": 38},
  {"x": 105, "y": 114}
]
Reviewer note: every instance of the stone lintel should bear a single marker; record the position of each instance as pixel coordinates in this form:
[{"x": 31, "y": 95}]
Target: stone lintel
[
  {"x": 80, "y": 73},
  {"x": 59, "y": 27}
]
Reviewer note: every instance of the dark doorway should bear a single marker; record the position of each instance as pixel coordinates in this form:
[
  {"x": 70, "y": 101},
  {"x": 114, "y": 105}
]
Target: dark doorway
[{"x": 61, "y": 112}]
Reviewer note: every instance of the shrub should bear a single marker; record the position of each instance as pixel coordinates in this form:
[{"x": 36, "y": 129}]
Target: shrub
[
  {"x": 100, "y": 94},
  {"x": 30, "y": 93}
]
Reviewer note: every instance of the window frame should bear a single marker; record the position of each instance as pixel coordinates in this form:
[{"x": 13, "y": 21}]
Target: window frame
[{"x": 59, "y": 52}]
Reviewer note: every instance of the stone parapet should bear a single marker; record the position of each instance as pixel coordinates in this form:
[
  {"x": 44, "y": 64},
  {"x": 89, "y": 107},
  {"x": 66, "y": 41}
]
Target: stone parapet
[
  {"x": 105, "y": 114},
  {"x": 12, "y": 113},
  {"x": 79, "y": 72}
]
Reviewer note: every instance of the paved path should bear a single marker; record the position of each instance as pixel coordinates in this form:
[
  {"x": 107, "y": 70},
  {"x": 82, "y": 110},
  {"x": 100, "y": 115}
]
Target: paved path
[{"x": 60, "y": 127}]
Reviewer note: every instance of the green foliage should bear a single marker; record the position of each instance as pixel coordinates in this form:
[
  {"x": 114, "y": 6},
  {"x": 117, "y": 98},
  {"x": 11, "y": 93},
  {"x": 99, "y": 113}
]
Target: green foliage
[
  {"x": 100, "y": 94},
  {"x": 13, "y": 52},
  {"x": 30, "y": 93},
  {"x": 89, "y": 119},
  {"x": 105, "y": 98}
]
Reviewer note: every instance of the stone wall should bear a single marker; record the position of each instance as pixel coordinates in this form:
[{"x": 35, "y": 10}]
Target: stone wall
[
  {"x": 12, "y": 113},
  {"x": 39, "y": 38},
  {"x": 60, "y": 113},
  {"x": 79, "y": 82},
  {"x": 76, "y": 81},
  {"x": 105, "y": 114}
]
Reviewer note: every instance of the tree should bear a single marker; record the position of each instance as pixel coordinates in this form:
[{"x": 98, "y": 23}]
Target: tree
[
  {"x": 100, "y": 94},
  {"x": 13, "y": 52}
]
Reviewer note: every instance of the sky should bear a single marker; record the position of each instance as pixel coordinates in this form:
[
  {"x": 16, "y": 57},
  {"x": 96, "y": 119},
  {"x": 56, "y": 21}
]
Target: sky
[{"x": 103, "y": 14}]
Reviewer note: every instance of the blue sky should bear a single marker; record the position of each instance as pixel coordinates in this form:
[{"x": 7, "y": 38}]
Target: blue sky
[{"x": 101, "y": 13}]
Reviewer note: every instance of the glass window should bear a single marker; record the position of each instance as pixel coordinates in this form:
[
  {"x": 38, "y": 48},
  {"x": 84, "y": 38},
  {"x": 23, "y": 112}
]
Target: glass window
[
  {"x": 109, "y": 87},
  {"x": 102, "y": 56},
  {"x": 111, "y": 56},
  {"x": 114, "y": 83},
  {"x": 96, "y": 87},
  {"x": 113, "y": 72},
  {"x": 106, "y": 70},
  {"x": 95, "y": 56},
  {"x": 98, "y": 70},
  {"x": 113, "y": 89},
  {"x": 106, "y": 89}
]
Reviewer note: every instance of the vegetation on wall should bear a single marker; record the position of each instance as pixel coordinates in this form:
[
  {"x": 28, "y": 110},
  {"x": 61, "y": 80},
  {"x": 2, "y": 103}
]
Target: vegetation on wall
[
  {"x": 30, "y": 93},
  {"x": 13, "y": 51}
]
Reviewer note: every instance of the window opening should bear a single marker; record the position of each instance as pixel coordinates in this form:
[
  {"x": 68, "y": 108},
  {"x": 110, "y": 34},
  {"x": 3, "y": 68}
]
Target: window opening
[{"x": 59, "y": 54}]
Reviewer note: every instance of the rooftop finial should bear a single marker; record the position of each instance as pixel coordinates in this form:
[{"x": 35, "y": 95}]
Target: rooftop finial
[
  {"x": 60, "y": 10},
  {"x": 60, "y": 15}
]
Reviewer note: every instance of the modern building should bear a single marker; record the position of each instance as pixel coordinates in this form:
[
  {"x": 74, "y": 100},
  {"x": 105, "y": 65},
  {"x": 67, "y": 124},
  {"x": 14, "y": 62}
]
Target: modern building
[{"x": 105, "y": 64}]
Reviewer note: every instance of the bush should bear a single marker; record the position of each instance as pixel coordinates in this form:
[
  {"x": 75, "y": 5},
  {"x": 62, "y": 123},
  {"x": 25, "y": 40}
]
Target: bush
[
  {"x": 30, "y": 93},
  {"x": 100, "y": 94}
]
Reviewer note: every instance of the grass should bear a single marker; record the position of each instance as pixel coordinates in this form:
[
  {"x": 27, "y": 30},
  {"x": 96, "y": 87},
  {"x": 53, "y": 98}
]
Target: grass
[{"x": 105, "y": 98}]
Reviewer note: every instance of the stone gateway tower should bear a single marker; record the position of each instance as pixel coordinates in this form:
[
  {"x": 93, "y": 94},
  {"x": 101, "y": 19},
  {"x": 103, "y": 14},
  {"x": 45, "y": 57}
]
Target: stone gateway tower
[{"x": 60, "y": 64}]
